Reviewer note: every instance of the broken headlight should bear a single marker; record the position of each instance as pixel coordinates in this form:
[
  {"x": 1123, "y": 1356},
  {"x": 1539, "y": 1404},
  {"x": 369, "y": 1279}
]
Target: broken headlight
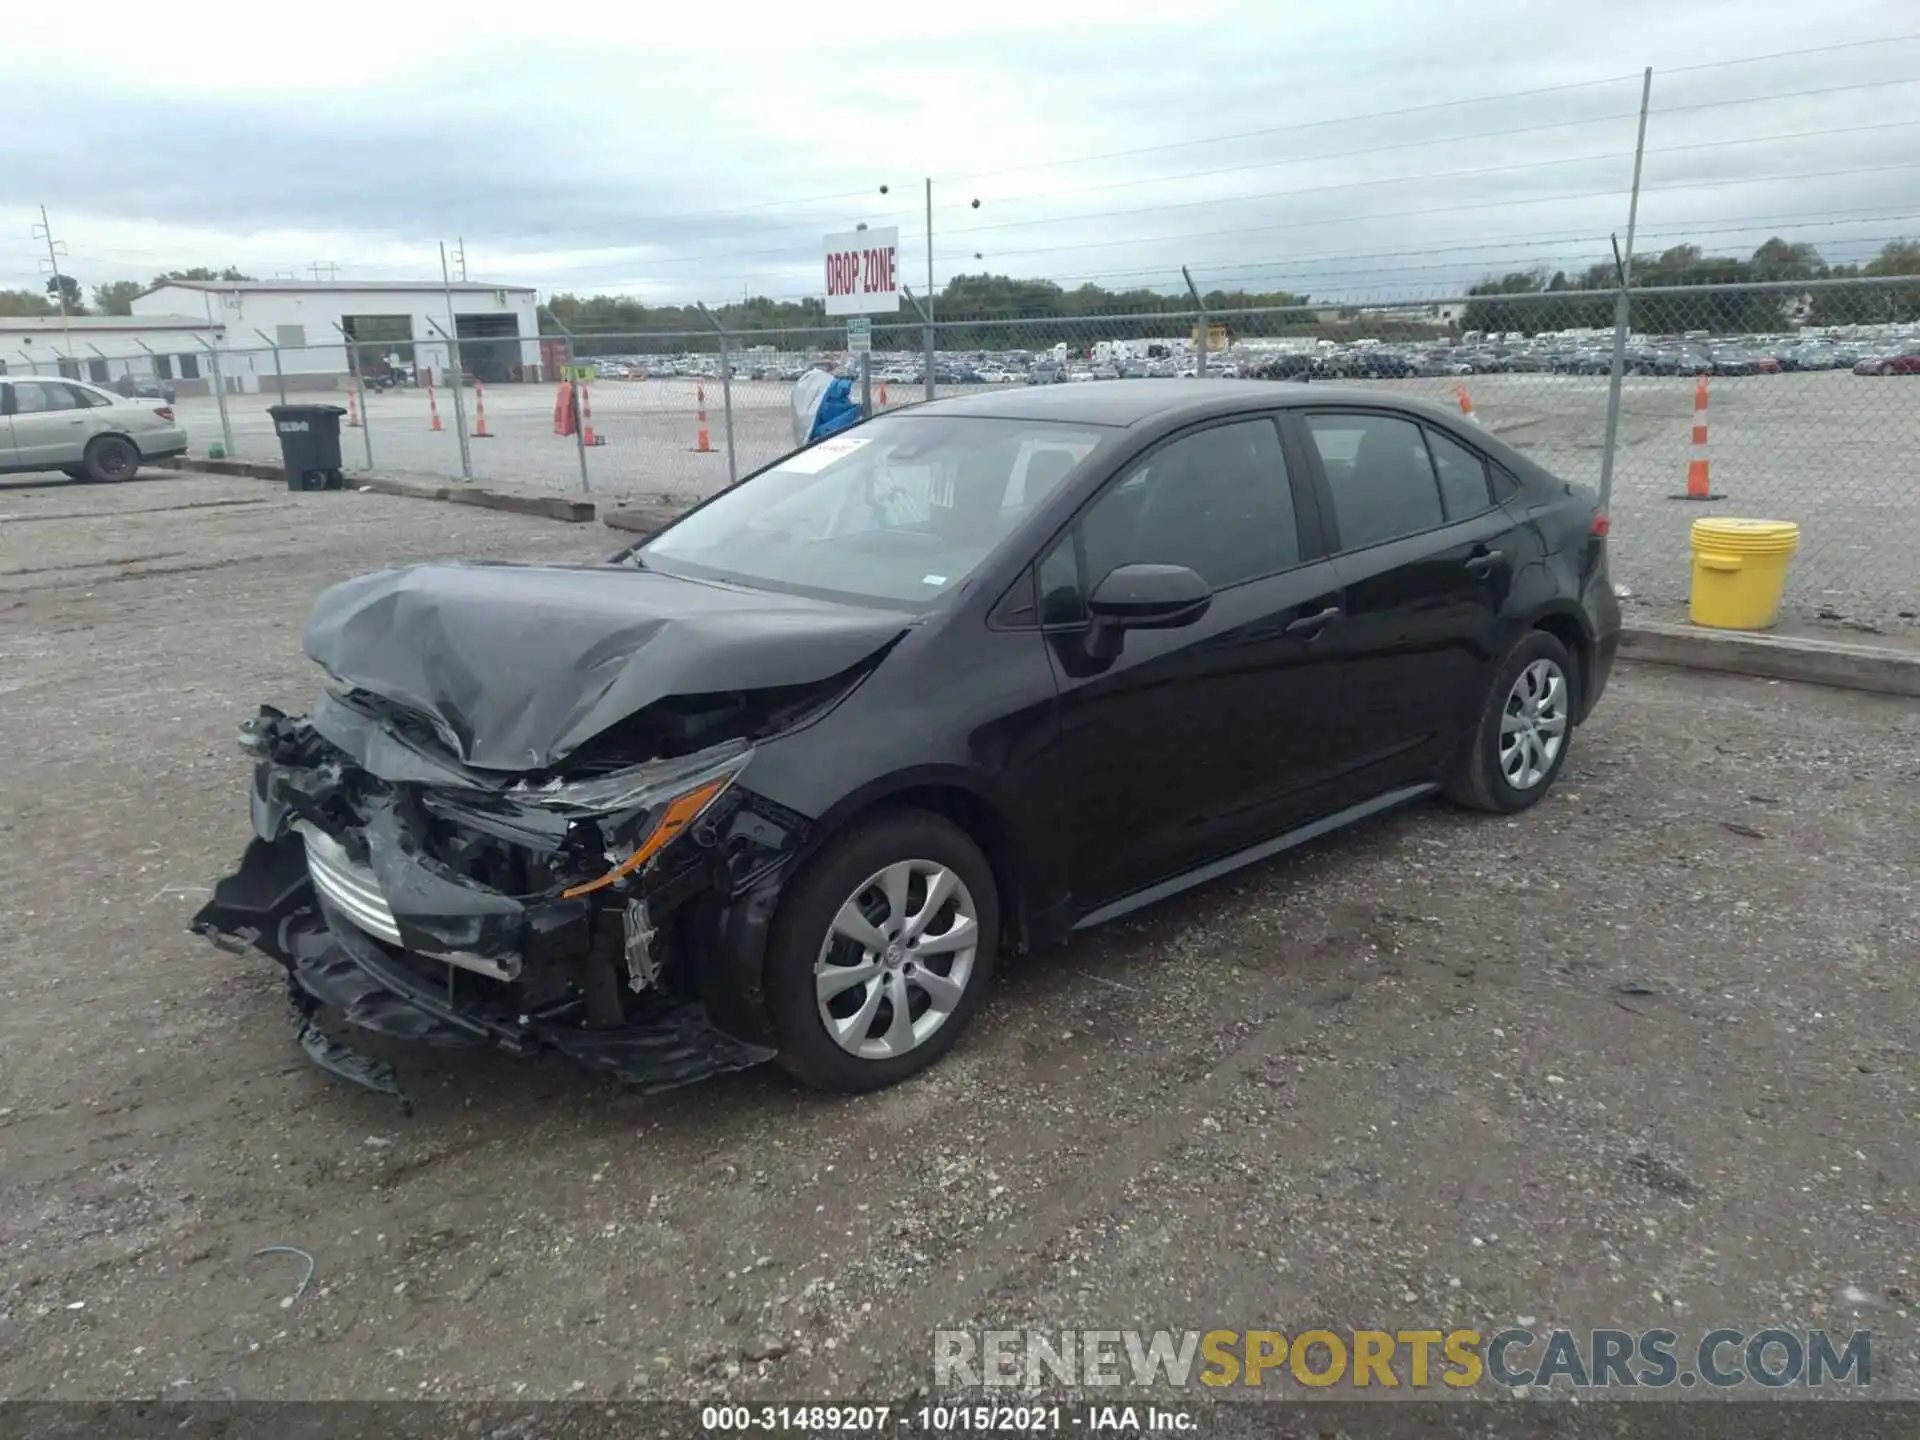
[{"x": 642, "y": 809}]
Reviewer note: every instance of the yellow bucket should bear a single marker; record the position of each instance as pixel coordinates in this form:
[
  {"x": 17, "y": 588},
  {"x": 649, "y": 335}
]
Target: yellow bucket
[{"x": 1740, "y": 571}]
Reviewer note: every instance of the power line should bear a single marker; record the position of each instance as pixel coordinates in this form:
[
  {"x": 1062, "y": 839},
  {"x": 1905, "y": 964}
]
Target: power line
[
  {"x": 1419, "y": 179},
  {"x": 1789, "y": 54},
  {"x": 1454, "y": 209},
  {"x": 795, "y": 248},
  {"x": 1529, "y": 242},
  {"x": 1456, "y": 139}
]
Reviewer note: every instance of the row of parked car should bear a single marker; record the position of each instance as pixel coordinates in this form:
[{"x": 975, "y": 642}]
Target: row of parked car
[{"x": 1546, "y": 355}]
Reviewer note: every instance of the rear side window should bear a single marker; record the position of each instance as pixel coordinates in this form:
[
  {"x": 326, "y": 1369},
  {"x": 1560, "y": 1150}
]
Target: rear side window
[
  {"x": 36, "y": 397},
  {"x": 1463, "y": 477},
  {"x": 1381, "y": 476}
]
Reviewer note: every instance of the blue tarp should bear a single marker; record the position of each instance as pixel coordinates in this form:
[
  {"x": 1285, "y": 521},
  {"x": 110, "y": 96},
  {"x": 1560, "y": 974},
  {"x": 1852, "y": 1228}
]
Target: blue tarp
[{"x": 822, "y": 406}]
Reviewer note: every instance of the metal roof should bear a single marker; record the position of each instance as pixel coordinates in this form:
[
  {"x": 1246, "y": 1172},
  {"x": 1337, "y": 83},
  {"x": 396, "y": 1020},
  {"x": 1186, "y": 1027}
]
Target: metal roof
[
  {"x": 96, "y": 324},
  {"x": 302, "y": 287}
]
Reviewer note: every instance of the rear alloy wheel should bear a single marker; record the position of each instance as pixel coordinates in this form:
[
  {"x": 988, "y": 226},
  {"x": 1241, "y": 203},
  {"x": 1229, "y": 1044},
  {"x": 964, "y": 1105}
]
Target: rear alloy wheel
[
  {"x": 1520, "y": 740},
  {"x": 881, "y": 952},
  {"x": 111, "y": 458}
]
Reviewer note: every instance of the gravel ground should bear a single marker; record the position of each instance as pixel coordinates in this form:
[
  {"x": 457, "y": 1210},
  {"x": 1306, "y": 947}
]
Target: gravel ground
[{"x": 1644, "y": 1055}]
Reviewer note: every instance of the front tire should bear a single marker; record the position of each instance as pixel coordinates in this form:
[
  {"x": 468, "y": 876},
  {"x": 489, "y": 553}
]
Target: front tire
[
  {"x": 111, "y": 458},
  {"x": 881, "y": 951},
  {"x": 1520, "y": 739}
]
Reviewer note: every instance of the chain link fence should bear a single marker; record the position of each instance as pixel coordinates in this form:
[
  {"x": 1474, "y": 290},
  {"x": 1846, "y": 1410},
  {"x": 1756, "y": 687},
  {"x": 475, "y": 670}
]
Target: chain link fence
[{"x": 1809, "y": 393}]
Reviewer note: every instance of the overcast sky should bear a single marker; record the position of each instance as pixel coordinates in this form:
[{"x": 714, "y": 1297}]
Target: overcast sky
[{"x": 695, "y": 151}]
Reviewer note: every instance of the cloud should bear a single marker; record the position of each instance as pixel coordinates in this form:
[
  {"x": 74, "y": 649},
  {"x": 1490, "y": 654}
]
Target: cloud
[{"x": 690, "y": 153}]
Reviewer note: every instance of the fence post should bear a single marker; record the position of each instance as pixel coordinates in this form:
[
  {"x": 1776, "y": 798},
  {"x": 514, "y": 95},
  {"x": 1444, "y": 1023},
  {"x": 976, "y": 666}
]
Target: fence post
[
  {"x": 355, "y": 365},
  {"x": 220, "y": 396},
  {"x": 726, "y": 394},
  {"x": 151, "y": 357},
  {"x": 459, "y": 409},
  {"x": 573, "y": 393},
  {"x": 579, "y": 427},
  {"x": 1200, "y": 362},
  {"x": 279, "y": 375},
  {"x": 1623, "y": 270}
]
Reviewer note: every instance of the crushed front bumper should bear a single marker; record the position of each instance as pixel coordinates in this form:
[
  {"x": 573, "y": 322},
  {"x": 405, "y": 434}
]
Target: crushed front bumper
[{"x": 395, "y": 941}]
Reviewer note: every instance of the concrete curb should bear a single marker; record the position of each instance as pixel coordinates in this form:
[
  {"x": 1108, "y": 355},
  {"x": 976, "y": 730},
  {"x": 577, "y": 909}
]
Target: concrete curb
[
  {"x": 1882, "y": 669},
  {"x": 546, "y": 506},
  {"x": 250, "y": 469},
  {"x": 643, "y": 520}
]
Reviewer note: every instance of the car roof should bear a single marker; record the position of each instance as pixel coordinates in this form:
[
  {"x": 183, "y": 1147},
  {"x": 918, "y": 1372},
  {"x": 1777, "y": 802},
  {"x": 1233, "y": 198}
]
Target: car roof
[{"x": 1133, "y": 402}]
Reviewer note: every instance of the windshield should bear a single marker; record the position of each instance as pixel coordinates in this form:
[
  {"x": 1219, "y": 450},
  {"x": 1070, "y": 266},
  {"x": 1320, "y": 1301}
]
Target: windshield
[{"x": 899, "y": 511}]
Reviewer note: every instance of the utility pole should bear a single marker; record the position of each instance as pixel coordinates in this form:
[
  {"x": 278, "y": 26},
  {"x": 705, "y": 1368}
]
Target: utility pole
[
  {"x": 44, "y": 231},
  {"x": 932, "y": 334},
  {"x": 332, "y": 269},
  {"x": 460, "y": 257}
]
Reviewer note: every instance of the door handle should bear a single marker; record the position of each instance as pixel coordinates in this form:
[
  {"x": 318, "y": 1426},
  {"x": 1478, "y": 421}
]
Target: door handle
[
  {"x": 1311, "y": 625},
  {"x": 1481, "y": 564}
]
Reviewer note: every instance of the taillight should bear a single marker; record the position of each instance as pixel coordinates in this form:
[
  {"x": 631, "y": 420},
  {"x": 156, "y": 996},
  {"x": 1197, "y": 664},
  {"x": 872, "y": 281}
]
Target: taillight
[
  {"x": 1601, "y": 524},
  {"x": 165, "y": 412}
]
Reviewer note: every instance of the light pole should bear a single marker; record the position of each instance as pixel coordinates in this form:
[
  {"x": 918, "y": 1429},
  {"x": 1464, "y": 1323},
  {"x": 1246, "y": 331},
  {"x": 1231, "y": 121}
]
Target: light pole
[{"x": 926, "y": 310}]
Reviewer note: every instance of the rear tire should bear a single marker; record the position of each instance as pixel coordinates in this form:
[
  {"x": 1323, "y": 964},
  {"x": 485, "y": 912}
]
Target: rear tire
[
  {"x": 876, "y": 879},
  {"x": 111, "y": 458},
  {"x": 1520, "y": 739}
]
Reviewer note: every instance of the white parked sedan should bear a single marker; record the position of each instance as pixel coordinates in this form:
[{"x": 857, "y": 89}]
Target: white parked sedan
[{"x": 81, "y": 429}]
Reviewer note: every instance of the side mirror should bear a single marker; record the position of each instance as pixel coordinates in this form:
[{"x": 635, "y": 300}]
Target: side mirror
[{"x": 1143, "y": 597}]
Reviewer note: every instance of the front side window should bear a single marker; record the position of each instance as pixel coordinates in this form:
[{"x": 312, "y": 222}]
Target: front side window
[
  {"x": 1217, "y": 501},
  {"x": 899, "y": 511},
  {"x": 1381, "y": 477}
]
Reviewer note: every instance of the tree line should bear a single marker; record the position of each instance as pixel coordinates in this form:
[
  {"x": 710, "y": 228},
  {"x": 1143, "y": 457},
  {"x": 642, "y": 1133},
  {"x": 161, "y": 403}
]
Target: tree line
[
  {"x": 1053, "y": 313},
  {"x": 116, "y": 297},
  {"x": 1724, "y": 312}
]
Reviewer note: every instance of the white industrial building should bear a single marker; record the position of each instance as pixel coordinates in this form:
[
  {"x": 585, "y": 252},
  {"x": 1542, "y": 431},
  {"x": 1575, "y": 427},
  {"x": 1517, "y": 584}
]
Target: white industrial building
[
  {"x": 260, "y": 335},
  {"x": 103, "y": 348},
  {"x": 305, "y": 327}
]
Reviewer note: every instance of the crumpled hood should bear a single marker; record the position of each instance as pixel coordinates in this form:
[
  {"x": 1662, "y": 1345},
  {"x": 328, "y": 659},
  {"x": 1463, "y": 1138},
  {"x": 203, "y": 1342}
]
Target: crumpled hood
[{"x": 522, "y": 664}]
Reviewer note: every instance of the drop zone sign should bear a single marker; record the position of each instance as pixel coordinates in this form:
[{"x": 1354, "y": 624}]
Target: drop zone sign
[{"x": 863, "y": 272}]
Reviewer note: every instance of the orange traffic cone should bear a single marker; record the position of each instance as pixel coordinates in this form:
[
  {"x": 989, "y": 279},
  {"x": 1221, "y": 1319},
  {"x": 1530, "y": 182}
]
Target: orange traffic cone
[
  {"x": 433, "y": 405},
  {"x": 1699, "y": 486},
  {"x": 563, "y": 409},
  {"x": 480, "y": 431},
  {"x": 883, "y": 394},
  {"x": 702, "y": 445},
  {"x": 586, "y": 417},
  {"x": 1466, "y": 404},
  {"x": 353, "y": 412}
]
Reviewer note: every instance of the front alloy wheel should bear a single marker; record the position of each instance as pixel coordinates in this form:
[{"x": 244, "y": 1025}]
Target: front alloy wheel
[
  {"x": 896, "y": 964},
  {"x": 880, "y": 951}
]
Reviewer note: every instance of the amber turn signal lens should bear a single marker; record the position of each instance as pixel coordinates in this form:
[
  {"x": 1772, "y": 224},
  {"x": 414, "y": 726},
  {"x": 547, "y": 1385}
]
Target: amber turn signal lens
[{"x": 679, "y": 815}]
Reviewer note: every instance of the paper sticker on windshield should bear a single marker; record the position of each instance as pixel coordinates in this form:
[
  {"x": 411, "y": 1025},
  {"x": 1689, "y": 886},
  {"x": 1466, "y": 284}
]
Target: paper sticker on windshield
[
  {"x": 933, "y": 579},
  {"x": 813, "y": 461}
]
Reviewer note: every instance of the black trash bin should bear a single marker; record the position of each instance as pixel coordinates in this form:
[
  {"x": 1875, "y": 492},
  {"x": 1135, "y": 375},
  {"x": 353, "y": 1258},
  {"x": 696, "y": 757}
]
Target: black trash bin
[{"x": 309, "y": 445}]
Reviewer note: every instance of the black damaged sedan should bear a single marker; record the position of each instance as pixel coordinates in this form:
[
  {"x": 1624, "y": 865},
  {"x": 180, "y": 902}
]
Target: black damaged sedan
[{"x": 782, "y": 781}]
